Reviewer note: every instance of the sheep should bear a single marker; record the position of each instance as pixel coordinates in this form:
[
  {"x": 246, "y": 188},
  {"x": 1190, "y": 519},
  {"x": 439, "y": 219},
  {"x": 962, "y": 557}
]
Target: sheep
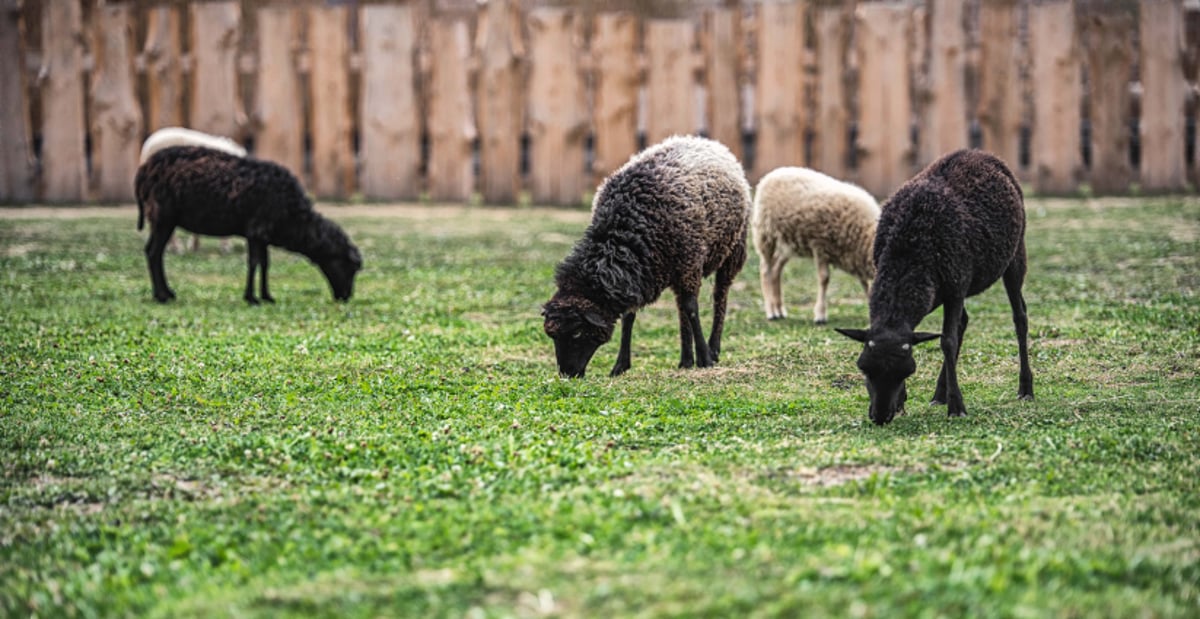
[
  {"x": 672, "y": 215},
  {"x": 212, "y": 192},
  {"x": 802, "y": 212},
  {"x": 180, "y": 136},
  {"x": 947, "y": 234}
]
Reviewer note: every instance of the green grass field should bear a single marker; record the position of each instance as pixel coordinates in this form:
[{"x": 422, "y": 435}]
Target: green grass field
[{"x": 413, "y": 454}]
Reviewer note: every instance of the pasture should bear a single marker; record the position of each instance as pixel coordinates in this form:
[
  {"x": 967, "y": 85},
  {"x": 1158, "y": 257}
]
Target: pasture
[{"x": 413, "y": 453}]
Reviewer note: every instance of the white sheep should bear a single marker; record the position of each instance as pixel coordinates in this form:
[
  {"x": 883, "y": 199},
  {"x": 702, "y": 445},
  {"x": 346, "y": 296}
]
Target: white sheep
[
  {"x": 180, "y": 136},
  {"x": 802, "y": 212}
]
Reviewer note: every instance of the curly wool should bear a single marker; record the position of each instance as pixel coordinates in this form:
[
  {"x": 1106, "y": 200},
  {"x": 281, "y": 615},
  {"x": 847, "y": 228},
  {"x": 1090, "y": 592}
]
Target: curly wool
[{"x": 802, "y": 212}]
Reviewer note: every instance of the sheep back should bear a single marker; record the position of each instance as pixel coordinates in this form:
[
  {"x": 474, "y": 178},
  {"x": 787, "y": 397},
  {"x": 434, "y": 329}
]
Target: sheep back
[
  {"x": 180, "y": 136},
  {"x": 804, "y": 210},
  {"x": 956, "y": 225},
  {"x": 670, "y": 216}
]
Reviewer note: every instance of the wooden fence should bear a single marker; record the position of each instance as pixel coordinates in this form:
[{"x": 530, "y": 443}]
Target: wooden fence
[{"x": 507, "y": 100}]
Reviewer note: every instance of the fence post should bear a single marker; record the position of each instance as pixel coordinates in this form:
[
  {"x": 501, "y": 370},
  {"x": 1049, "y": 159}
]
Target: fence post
[
  {"x": 116, "y": 118},
  {"x": 999, "y": 110},
  {"x": 16, "y": 154},
  {"x": 329, "y": 102},
  {"x": 779, "y": 87},
  {"x": 1055, "y": 147},
  {"x": 64, "y": 156},
  {"x": 390, "y": 104},
  {"x": 944, "y": 129},
  {"x": 499, "y": 50},
  {"x": 163, "y": 53},
  {"x": 451, "y": 124},
  {"x": 883, "y": 33},
  {"x": 278, "y": 104},
  {"x": 1164, "y": 91},
  {"x": 1109, "y": 36},
  {"x": 216, "y": 29},
  {"x": 617, "y": 78},
  {"x": 723, "y": 62},
  {"x": 558, "y": 119},
  {"x": 831, "y": 125},
  {"x": 670, "y": 79}
]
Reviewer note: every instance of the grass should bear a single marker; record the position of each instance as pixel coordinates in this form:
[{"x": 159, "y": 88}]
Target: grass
[{"x": 412, "y": 453}]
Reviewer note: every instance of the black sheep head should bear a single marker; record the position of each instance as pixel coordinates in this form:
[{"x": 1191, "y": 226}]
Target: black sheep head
[
  {"x": 886, "y": 362},
  {"x": 340, "y": 270},
  {"x": 578, "y": 328}
]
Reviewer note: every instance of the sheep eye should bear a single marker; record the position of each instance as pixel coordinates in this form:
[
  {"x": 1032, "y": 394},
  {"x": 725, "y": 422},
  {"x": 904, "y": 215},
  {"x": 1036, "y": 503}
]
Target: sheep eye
[
  {"x": 905, "y": 346},
  {"x": 871, "y": 343}
]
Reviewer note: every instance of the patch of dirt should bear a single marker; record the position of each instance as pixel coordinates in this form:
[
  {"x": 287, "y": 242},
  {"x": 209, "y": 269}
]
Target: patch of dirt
[{"x": 838, "y": 475}]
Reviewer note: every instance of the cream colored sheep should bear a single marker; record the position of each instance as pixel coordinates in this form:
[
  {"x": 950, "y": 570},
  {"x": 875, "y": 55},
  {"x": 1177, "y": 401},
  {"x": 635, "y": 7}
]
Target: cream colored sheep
[{"x": 802, "y": 212}]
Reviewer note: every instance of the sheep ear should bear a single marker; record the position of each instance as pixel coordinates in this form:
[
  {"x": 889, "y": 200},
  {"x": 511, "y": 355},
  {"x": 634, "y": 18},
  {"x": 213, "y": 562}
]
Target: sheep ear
[
  {"x": 922, "y": 336},
  {"x": 858, "y": 335}
]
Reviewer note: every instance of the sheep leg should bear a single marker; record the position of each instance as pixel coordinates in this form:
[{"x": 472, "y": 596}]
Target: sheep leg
[
  {"x": 951, "y": 330},
  {"x": 939, "y": 395},
  {"x": 155, "y": 245},
  {"x": 624, "y": 361},
  {"x": 253, "y": 260},
  {"x": 726, "y": 274},
  {"x": 770, "y": 270},
  {"x": 820, "y": 315},
  {"x": 691, "y": 333},
  {"x": 263, "y": 262},
  {"x": 1014, "y": 277}
]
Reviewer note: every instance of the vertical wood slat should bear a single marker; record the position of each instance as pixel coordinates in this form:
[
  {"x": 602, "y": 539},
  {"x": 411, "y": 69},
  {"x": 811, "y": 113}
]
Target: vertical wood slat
[
  {"x": 779, "y": 87},
  {"x": 617, "y": 79},
  {"x": 116, "y": 117},
  {"x": 722, "y": 38},
  {"x": 1164, "y": 90},
  {"x": 558, "y": 119},
  {"x": 163, "y": 52},
  {"x": 451, "y": 126},
  {"x": 279, "y": 115},
  {"x": 831, "y": 124},
  {"x": 216, "y": 27},
  {"x": 945, "y": 127},
  {"x": 16, "y": 153},
  {"x": 1056, "y": 155},
  {"x": 1109, "y": 50},
  {"x": 999, "y": 110},
  {"x": 329, "y": 97},
  {"x": 391, "y": 126},
  {"x": 883, "y": 34},
  {"x": 64, "y": 163},
  {"x": 499, "y": 102},
  {"x": 670, "y": 79},
  {"x": 1191, "y": 20}
]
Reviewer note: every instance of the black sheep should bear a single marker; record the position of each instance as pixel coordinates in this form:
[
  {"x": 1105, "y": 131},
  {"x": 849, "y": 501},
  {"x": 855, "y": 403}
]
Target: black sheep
[
  {"x": 947, "y": 234},
  {"x": 206, "y": 191},
  {"x": 675, "y": 213}
]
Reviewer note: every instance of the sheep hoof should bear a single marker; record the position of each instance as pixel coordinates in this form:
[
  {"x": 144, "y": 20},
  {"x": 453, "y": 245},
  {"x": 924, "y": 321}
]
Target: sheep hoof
[
  {"x": 268, "y": 299},
  {"x": 957, "y": 413},
  {"x": 936, "y": 401},
  {"x": 1028, "y": 397},
  {"x": 618, "y": 370},
  {"x": 820, "y": 321},
  {"x": 251, "y": 300}
]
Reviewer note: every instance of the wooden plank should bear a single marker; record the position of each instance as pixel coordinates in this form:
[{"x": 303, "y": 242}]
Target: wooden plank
[
  {"x": 670, "y": 79},
  {"x": 1191, "y": 20},
  {"x": 723, "y": 84},
  {"x": 558, "y": 114},
  {"x": 779, "y": 87},
  {"x": 999, "y": 110},
  {"x": 215, "y": 107},
  {"x": 946, "y": 119},
  {"x": 831, "y": 123},
  {"x": 451, "y": 125},
  {"x": 279, "y": 112},
  {"x": 332, "y": 123},
  {"x": 617, "y": 79},
  {"x": 163, "y": 55},
  {"x": 883, "y": 33},
  {"x": 390, "y": 116},
  {"x": 64, "y": 159},
  {"x": 1055, "y": 151},
  {"x": 1109, "y": 36},
  {"x": 116, "y": 117},
  {"x": 500, "y": 102},
  {"x": 1164, "y": 90},
  {"x": 16, "y": 153}
]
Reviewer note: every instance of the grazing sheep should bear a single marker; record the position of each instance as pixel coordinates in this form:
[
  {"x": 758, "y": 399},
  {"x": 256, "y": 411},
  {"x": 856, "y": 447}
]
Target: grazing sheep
[
  {"x": 179, "y": 136},
  {"x": 675, "y": 213},
  {"x": 947, "y": 234},
  {"x": 211, "y": 192},
  {"x": 801, "y": 212}
]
